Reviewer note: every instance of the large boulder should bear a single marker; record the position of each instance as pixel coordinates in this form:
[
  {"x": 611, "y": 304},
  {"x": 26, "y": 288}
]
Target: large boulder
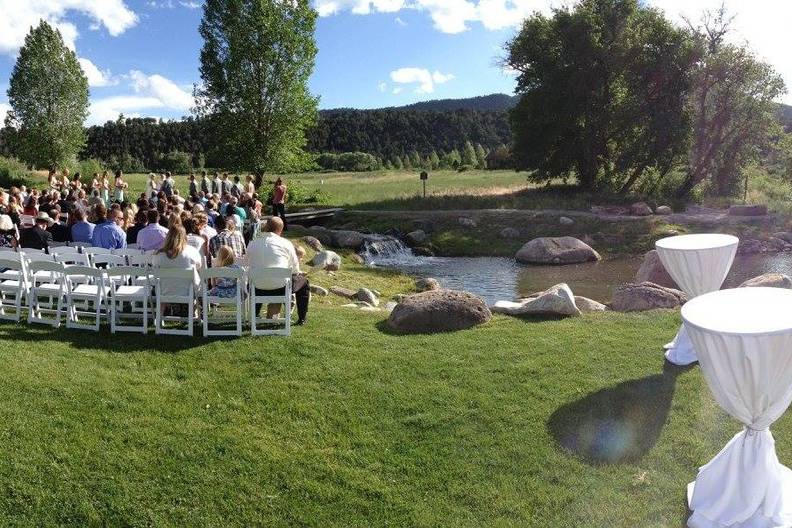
[
  {"x": 427, "y": 284},
  {"x": 466, "y": 222},
  {"x": 312, "y": 242},
  {"x": 585, "y": 304},
  {"x": 646, "y": 296},
  {"x": 556, "y": 250},
  {"x": 415, "y": 238},
  {"x": 652, "y": 270},
  {"x": 438, "y": 311},
  {"x": 509, "y": 233},
  {"x": 348, "y": 239},
  {"x": 640, "y": 209},
  {"x": 565, "y": 221},
  {"x": 319, "y": 290},
  {"x": 748, "y": 210},
  {"x": 321, "y": 233},
  {"x": 558, "y": 300},
  {"x": 769, "y": 280},
  {"x": 663, "y": 210},
  {"x": 326, "y": 260},
  {"x": 346, "y": 293}
]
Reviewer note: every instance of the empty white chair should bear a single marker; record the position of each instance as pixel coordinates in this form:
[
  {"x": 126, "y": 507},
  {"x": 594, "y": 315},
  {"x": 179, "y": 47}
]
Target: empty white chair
[
  {"x": 63, "y": 250},
  {"x": 13, "y": 286},
  {"x": 72, "y": 258},
  {"x": 85, "y": 299},
  {"x": 208, "y": 301},
  {"x": 53, "y": 288},
  {"x": 40, "y": 275},
  {"x": 128, "y": 285},
  {"x": 174, "y": 286},
  {"x": 92, "y": 251},
  {"x": 276, "y": 275},
  {"x": 107, "y": 260}
]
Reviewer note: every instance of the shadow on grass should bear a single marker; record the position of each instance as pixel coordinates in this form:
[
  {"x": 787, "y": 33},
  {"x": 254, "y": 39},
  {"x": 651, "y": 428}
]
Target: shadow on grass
[
  {"x": 619, "y": 424},
  {"x": 122, "y": 342}
]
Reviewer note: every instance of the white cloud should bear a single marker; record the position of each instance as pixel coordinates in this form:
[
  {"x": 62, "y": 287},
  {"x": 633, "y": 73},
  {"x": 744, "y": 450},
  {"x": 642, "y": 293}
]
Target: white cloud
[
  {"x": 383, "y": 86},
  {"x": 426, "y": 81},
  {"x": 165, "y": 90},
  {"x": 400, "y": 21},
  {"x": 96, "y": 77},
  {"x": 108, "y": 108},
  {"x": 397, "y": 90},
  {"x": 191, "y": 5},
  {"x": 149, "y": 92},
  {"x": 18, "y": 16},
  {"x": 4, "y": 108}
]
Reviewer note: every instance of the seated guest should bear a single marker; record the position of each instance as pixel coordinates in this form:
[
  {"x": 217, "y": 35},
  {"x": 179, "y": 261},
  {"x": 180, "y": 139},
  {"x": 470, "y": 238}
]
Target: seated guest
[
  {"x": 152, "y": 237},
  {"x": 222, "y": 287},
  {"x": 194, "y": 236},
  {"x": 31, "y": 208},
  {"x": 109, "y": 234},
  {"x": 271, "y": 250},
  {"x": 140, "y": 222},
  {"x": 81, "y": 229},
  {"x": 37, "y": 237},
  {"x": 8, "y": 232},
  {"x": 176, "y": 253},
  {"x": 202, "y": 222},
  {"x": 227, "y": 235},
  {"x": 60, "y": 231}
]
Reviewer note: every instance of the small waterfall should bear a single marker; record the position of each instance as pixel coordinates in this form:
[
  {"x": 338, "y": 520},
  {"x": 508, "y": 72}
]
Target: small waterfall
[{"x": 385, "y": 250}]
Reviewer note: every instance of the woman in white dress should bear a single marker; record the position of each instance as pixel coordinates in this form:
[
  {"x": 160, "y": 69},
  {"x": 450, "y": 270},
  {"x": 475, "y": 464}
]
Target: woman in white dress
[
  {"x": 120, "y": 185},
  {"x": 96, "y": 183},
  {"x": 104, "y": 189},
  {"x": 152, "y": 189}
]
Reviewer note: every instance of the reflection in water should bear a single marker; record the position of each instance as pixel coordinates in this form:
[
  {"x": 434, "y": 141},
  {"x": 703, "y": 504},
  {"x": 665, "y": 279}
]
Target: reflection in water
[{"x": 500, "y": 278}]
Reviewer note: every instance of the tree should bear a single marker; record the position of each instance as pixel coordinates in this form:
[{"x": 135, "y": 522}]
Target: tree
[
  {"x": 481, "y": 157},
  {"x": 602, "y": 93},
  {"x": 255, "y": 64},
  {"x": 48, "y": 95},
  {"x": 469, "y": 155},
  {"x": 733, "y": 101},
  {"x": 434, "y": 160}
]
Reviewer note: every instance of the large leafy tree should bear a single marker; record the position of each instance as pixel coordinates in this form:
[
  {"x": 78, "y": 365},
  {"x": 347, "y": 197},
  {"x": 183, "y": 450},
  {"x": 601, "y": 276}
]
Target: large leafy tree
[
  {"x": 602, "y": 93},
  {"x": 255, "y": 63},
  {"x": 48, "y": 94},
  {"x": 734, "y": 110}
]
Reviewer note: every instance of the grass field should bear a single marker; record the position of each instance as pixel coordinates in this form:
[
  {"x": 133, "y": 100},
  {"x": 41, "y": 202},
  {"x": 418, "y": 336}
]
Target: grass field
[{"x": 345, "y": 425}]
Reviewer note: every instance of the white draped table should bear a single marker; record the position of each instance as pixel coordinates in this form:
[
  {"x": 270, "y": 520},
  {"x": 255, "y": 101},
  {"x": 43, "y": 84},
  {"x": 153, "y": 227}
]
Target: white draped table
[
  {"x": 743, "y": 338},
  {"x": 698, "y": 264}
]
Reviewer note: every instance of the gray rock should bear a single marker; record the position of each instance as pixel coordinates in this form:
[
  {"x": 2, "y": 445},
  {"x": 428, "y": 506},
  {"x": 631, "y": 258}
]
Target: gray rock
[
  {"x": 786, "y": 236},
  {"x": 318, "y": 290},
  {"x": 438, "y": 311},
  {"x": 426, "y": 284},
  {"x": 357, "y": 259},
  {"x": 326, "y": 260},
  {"x": 565, "y": 221},
  {"x": 366, "y": 295},
  {"x": 509, "y": 233},
  {"x": 415, "y": 238},
  {"x": 558, "y": 300},
  {"x": 399, "y": 297},
  {"x": 640, "y": 209},
  {"x": 321, "y": 233},
  {"x": 348, "y": 239},
  {"x": 423, "y": 252},
  {"x": 646, "y": 296},
  {"x": 466, "y": 222},
  {"x": 585, "y": 304},
  {"x": 389, "y": 306},
  {"x": 312, "y": 242},
  {"x": 769, "y": 280},
  {"x": 556, "y": 250},
  {"x": 652, "y": 270},
  {"x": 664, "y": 210},
  {"x": 343, "y": 292},
  {"x": 363, "y": 304},
  {"x": 748, "y": 210}
]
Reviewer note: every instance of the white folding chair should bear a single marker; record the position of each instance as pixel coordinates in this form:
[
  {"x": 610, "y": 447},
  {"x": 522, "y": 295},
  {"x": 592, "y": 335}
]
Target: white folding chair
[
  {"x": 132, "y": 246},
  {"x": 208, "y": 301},
  {"x": 27, "y": 220},
  {"x": 93, "y": 251},
  {"x": 174, "y": 277},
  {"x": 128, "y": 285},
  {"x": 127, "y": 252},
  {"x": 276, "y": 275},
  {"x": 32, "y": 251},
  {"x": 13, "y": 286},
  {"x": 64, "y": 250},
  {"x": 107, "y": 260},
  {"x": 139, "y": 261},
  {"x": 80, "y": 245},
  {"x": 53, "y": 288},
  {"x": 35, "y": 256},
  {"x": 81, "y": 296}
]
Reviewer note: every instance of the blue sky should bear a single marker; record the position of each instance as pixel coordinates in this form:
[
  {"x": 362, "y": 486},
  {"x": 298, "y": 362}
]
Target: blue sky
[{"x": 141, "y": 56}]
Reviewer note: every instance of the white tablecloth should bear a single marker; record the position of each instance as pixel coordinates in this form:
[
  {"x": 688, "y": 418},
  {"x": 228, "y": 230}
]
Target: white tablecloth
[
  {"x": 698, "y": 264},
  {"x": 744, "y": 342}
]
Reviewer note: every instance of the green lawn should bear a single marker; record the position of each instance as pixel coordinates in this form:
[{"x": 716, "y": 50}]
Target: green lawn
[{"x": 346, "y": 425}]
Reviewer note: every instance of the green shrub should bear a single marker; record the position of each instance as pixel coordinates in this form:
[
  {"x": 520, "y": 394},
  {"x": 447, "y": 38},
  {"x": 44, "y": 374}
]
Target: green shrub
[
  {"x": 87, "y": 168},
  {"x": 298, "y": 192},
  {"x": 13, "y": 173},
  {"x": 126, "y": 162},
  {"x": 175, "y": 161}
]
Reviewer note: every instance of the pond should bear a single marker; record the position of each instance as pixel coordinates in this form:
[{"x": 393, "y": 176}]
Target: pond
[{"x": 501, "y": 278}]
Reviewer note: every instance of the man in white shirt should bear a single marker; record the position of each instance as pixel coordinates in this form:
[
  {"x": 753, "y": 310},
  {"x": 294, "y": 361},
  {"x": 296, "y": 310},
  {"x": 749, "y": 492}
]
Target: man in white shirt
[{"x": 271, "y": 250}]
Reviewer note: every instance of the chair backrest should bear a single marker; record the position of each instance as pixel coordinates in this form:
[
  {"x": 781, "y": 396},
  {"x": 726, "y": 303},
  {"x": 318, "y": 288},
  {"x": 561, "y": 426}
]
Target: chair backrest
[
  {"x": 38, "y": 257},
  {"x": 56, "y": 268},
  {"x": 7, "y": 250},
  {"x": 121, "y": 274},
  {"x": 139, "y": 260},
  {"x": 63, "y": 250},
  {"x": 132, "y": 246},
  {"x": 80, "y": 245},
  {"x": 172, "y": 273},
  {"x": 26, "y": 220},
  {"x": 72, "y": 258},
  {"x": 108, "y": 259},
  {"x": 8, "y": 262},
  {"x": 273, "y": 274},
  {"x": 128, "y": 252},
  {"x": 84, "y": 271},
  {"x": 32, "y": 251},
  {"x": 94, "y": 250},
  {"x": 225, "y": 273}
]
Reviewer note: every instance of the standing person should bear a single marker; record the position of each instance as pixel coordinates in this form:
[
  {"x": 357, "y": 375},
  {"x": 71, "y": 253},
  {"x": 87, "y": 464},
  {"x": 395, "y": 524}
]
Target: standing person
[
  {"x": 279, "y": 197},
  {"x": 52, "y": 180},
  {"x": 109, "y": 234},
  {"x": 250, "y": 188},
  {"x": 167, "y": 185},
  {"x": 96, "y": 183},
  {"x": 76, "y": 184},
  {"x": 217, "y": 185},
  {"x": 193, "y": 187},
  {"x": 120, "y": 185},
  {"x": 104, "y": 189},
  {"x": 64, "y": 183},
  {"x": 206, "y": 183},
  {"x": 271, "y": 250},
  {"x": 236, "y": 188},
  {"x": 37, "y": 237},
  {"x": 151, "y": 186}
]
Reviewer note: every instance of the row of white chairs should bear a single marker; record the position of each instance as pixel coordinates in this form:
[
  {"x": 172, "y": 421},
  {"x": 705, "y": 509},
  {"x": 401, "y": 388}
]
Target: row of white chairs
[{"x": 49, "y": 289}]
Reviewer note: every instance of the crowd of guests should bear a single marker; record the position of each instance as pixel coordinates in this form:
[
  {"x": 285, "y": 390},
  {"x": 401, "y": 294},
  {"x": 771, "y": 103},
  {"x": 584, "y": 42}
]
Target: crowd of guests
[{"x": 220, "y": 222}]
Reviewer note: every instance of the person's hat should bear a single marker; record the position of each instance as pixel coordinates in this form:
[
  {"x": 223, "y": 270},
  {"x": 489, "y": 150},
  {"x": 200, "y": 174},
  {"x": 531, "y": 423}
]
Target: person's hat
[
  {"x": 5, "y": 223},
  {"x": 45, "y": 217}
]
